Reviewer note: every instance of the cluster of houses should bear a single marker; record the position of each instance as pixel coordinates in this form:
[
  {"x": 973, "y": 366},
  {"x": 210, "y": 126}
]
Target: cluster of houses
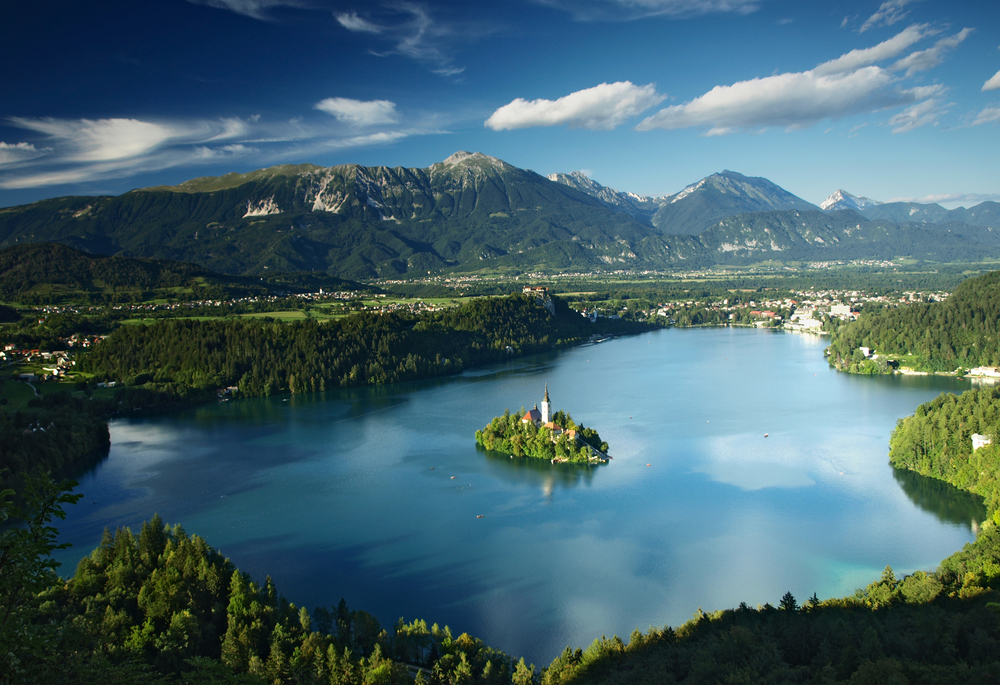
[{"x": 55, "y": 364}]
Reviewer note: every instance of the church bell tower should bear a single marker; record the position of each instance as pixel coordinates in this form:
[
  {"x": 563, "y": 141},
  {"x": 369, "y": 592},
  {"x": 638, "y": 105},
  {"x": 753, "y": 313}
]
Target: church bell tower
[{"x": 546, "y": 406}]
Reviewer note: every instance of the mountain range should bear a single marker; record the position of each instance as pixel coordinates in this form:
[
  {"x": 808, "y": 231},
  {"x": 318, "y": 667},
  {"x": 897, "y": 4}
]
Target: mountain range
[{"x": 472, "y": 211}]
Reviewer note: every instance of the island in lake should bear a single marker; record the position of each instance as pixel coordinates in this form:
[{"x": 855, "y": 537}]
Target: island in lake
[{"x": 543, "y": 435}]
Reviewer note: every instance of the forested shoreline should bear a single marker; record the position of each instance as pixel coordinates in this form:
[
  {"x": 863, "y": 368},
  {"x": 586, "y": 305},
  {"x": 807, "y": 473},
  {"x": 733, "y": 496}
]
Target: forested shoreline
[
  {"x": 961, "y": 332},
  {"x": 264, "y": 357}
]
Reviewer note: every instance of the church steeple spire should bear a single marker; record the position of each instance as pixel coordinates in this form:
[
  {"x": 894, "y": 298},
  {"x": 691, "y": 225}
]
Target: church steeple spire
[
  {"x": 546, "y": 406},
  {"x": 546, "y": 392}
]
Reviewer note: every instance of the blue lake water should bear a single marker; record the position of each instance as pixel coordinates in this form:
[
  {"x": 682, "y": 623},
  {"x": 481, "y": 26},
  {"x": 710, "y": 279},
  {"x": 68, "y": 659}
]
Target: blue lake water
[{"x": 373, "y": 494}]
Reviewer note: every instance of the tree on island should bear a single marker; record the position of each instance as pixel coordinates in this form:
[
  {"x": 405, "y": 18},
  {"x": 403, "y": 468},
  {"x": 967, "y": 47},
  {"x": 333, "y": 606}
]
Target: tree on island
[{"x": 527, "y": 434}]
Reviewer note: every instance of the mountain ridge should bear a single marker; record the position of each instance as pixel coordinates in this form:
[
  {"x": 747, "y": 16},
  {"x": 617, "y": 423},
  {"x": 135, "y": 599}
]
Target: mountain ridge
[{"x": 473, "y": 211}]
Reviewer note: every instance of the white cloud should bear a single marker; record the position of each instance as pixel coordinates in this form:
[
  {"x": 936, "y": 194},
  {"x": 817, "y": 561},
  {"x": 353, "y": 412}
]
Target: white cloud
[
  {"x": 969, "y": 199},
  {"x": 236, "y": 150},
  {"x": 916, "y": 115},
  {"x": 234, "y": 128},
  {"x": 352, "y": 22},
  {"x": 922, "y": 60},
  {"x": 987, "y": 115},
  {"x": 993, "y": 83},
  {"x": 602, "y": 107},
  {"x": 848, "y": 85},
  {"x": 364, "y": 113},
  {"x": 855, "y": 59},
  {"x": 12, "y": 153},
  {"x": 85, "y": 151},
  {"x": 256, "y": 9},
  {"x": 382, "y": 138},
  {"x": 888, "y": 14},
  {"x": 793, "y": 100},
  {"x": 102, "y": 139},
  {"x": 413, "y": 33},
  {"x": 628, "y": 10}
]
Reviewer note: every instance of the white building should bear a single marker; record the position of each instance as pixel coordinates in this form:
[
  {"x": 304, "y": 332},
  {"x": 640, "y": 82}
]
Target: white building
[{"x": 980, "y": 441}]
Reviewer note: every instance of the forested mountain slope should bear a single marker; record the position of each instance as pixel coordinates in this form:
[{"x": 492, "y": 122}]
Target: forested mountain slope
[
  {"x": 351, "y": 220},
  {"x": 469, "y": 212},
  {"x": 47, "y": 272}
]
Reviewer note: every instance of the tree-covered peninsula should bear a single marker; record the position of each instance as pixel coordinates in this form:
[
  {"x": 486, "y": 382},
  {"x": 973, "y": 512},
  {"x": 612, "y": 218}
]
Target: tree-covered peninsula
[
  {"x": 937, "y": 441},
  {"x": 265, "y": 357},
  {"x": 542, "y": 434},
  {"x": 961, "y": 332}
]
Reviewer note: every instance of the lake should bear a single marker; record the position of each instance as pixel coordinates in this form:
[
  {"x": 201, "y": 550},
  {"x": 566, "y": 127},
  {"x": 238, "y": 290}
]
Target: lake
[{"x": 744, "y": 467}]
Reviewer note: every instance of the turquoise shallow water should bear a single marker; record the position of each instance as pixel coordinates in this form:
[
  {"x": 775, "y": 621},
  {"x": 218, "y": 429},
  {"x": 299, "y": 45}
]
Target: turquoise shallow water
[{"x": 350, "y": 494}]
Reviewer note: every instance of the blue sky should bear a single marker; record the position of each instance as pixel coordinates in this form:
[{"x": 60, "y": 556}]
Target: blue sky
[{"x": 890, "y": 100}]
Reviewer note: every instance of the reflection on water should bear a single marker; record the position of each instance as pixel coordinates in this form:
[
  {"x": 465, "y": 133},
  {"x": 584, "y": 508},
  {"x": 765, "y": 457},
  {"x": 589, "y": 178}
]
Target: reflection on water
[
  {"x": 944, "y": 500},
  {"x": 530, "y": 471},
  {"x": 380, "y": 495}
]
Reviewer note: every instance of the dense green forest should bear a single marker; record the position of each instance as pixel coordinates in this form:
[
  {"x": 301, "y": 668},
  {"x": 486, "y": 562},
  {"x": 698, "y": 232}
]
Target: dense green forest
[
  {"x": 65, "y": 431},
  {"x": 162, "y": 606},
  {"x": 267, "y": 357},
  {"x": 963, "y": 331},
  {"x": 58, "y": 430},
  {"x": 937, "y": 442},
  {"x": 509, "y": 434}
]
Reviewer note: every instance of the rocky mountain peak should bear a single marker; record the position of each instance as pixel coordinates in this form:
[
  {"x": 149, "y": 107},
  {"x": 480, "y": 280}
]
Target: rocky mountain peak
[{"x": 841, "y": 199}]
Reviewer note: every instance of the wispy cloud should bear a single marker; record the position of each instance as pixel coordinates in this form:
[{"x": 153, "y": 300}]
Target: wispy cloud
[
  {"x": 12, "y": 153},
  {"x": 993, "y": 83},
  {"x": 381, "y": 138},
  {"x": 411, "y": 31},
  {"x": 370, "y": 113},
  {"x": 602, "y": 107},
  {"x": 987, "y": 115},
  {"x": 917, "y": 115},
  {"x": 888, "y": 14},
  {"x": 848, "y": 85},
  {"x": 85, "y": 151},
  {"x": 256, "y": 9},
  {"x": 923, "y": 60},
  {"x": 352, "y": 22},
  {"x": 969, "y": 199},
  {"x": 102, "y": 140},
  {"x": 887, "y": 49},
  {"x": 630, "y": 10}
]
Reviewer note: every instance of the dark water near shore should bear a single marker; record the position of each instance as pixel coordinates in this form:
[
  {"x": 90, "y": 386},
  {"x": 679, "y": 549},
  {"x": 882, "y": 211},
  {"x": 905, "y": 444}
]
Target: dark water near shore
[{"x": 350, "y": 494}]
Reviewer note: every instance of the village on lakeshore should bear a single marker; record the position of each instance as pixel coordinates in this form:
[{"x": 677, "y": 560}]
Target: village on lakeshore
[{"x": 543, "y": 434}]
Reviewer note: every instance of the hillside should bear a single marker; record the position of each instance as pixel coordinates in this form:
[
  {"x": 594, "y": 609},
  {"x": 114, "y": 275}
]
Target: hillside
[
  {"x": 53, "y": 272},
  {"x": 349, "y": 220},
  {"x": 473, "y": 212},
  {"x": 642, "y": 207},
  {"x": 814, "y": 235},
  {"x": 962, "y": 331},
  {"x": 986, "y": 214},
  {"x": 700, "y": 205}
]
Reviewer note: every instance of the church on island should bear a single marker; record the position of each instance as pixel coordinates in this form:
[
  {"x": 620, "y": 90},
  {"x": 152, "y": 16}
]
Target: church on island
[
  {"x": 537, "y": 434},
  {"x": 543, "y": 418}
]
